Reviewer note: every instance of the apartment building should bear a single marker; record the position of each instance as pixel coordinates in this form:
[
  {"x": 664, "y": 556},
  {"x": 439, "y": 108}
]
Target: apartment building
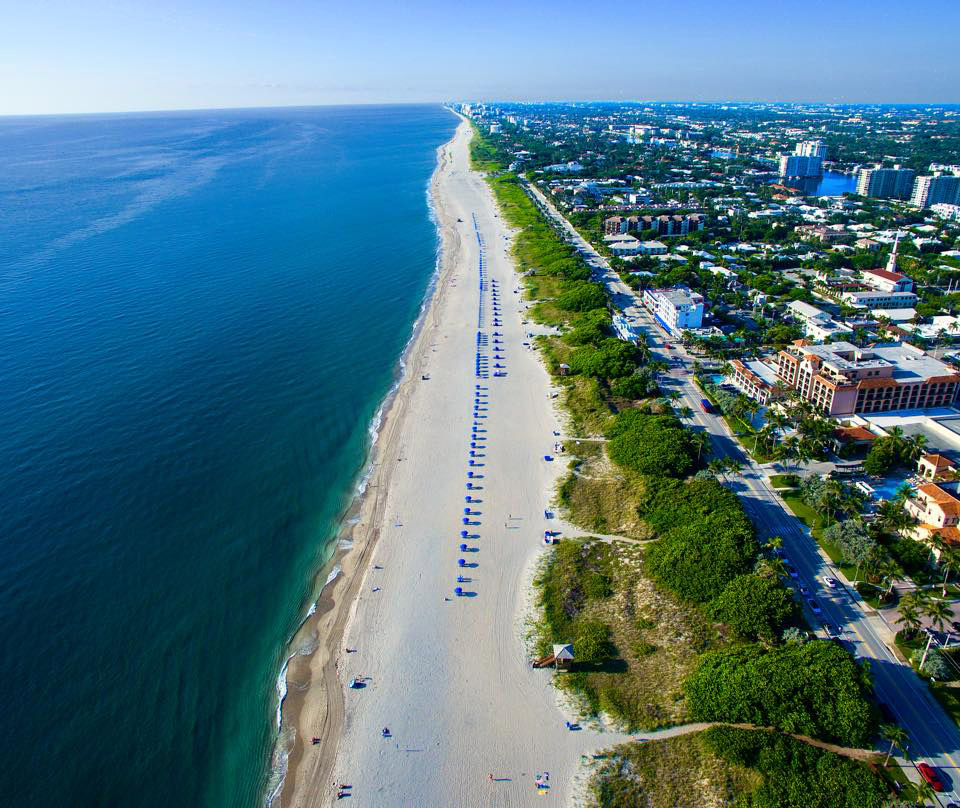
[
  {"x": 811, "y": 148},
  {"x": 885, "y": 183},
  {"x": 842, "y": 379},
  {"x": 938, "y": 189},
  {"x": 666, "y": 225},
  {"x": 677, "y": 310},
  {"x": 793, "y": 165}
]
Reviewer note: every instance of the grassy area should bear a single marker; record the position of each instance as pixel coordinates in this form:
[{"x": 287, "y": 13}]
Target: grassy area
[
  {"x": 654, "y": 640},
  {"x": 673, "y": 773},
  {"x": 723, "y": 766},
  {"x": 784, "y": 480},
  {"x": 589, "y": 410},
  {"x": 813, "y": 520},
  {"x": 597, "y": 498}
]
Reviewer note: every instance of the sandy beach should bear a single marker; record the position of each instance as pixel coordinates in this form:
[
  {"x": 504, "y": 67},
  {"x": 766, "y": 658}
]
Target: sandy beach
[{"x": 447, "y": 675}]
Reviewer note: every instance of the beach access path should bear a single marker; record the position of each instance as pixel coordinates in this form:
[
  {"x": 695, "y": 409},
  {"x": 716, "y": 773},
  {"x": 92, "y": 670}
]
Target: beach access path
[{"x": 447, "y": 674}]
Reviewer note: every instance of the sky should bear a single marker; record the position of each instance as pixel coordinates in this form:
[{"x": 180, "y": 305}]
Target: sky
[{"x": 59, "y": 56}]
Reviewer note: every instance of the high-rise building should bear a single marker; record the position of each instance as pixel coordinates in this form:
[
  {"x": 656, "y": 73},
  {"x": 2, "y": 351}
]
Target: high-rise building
[
  {"x": 885, "y": 183},
  {"x": 940, "y": 188},
  {"x": 792, "y": 165},
  {"x": 811, "y": 148}
]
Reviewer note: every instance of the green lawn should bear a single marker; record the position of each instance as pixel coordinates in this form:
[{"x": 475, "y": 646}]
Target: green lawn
[
  {"x": 817, "y": 522},
  {"x": 784, "y": 480}
]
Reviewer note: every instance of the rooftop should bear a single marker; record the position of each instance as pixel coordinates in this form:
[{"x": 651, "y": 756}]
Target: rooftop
[{"x": 909, "y": 363}]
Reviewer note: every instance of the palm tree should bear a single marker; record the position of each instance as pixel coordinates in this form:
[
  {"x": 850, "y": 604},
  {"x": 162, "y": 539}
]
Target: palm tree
[
  {"x": 773, "y": 543},
  {"x": 897, "y": 736},
  {"x": 909, "y": 617},
  {"x": 733, "y": 466},
  {"x": 949, "y": 559},
  {"x": 717, "y": 466},
  {"x": 915, "y": 445},
  {"x": 938, "y": 611}
]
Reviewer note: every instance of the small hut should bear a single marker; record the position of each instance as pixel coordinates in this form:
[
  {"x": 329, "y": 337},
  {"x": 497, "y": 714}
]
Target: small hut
[{"x": 562, "y": 656}]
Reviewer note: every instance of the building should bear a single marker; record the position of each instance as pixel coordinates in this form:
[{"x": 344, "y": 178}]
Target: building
[
  {"x": 755, "y": 379},
  {"x": 885, "y": 183},
  {"x": 936, "y": 467},
  {"x": 677, "y": 310},
  {"x": 665, "y": 225},
  {"x": 623, "y": 244},
  {"x": 811, "y": 148},
  {"x": 842, "y": 379},
  {"x": 799, "y": 166},
  {"x": 880, "y": 300},
  {"x": 938, "y": 189},
  {"x": 937, "y": 509},
  {"x": 615, "y": 224},
  {"x": 804, "y": 312},
  {"x": 653, "y": 248},
  {"x": 945, "y": 211},
  {"x": 883, "y": 280}
]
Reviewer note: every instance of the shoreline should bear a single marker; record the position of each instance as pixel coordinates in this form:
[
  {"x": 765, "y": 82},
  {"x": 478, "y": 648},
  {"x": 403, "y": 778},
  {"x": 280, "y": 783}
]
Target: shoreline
[{"x": 310, "y": 677}]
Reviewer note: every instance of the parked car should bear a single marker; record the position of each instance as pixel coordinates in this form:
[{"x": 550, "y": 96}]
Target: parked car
[
  {"x": 814, "y": 606},
  {"x": 830, "y": 582},
  {"x": 791, "y": 571},
  {"x": 928, "y": 773},
  {"x": 804, "y": 591}
]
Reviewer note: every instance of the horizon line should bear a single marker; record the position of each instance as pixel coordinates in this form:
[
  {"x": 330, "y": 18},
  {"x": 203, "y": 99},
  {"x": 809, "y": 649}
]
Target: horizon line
[{"x": 448, "y": 103}]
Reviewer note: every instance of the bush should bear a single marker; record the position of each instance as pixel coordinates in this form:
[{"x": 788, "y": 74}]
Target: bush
[
  {"x": 612, "y": 359},
  {"x": 754, "y": 607},
  {"x": 706, "y": 540},
  {"x": 814, "y": 689},
  {"x": 796, "y": 775},
  {"x": 592, "y": 645},
  {"x": 582, "y": 296},
  {"x": 935, "y": 665},
  {"x": 651, "y": 444},
  {"x": 639, "y": 385}
]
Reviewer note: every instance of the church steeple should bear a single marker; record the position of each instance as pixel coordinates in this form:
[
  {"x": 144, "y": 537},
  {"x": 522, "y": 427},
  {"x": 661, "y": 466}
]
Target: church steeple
[{"x": 892, "y": 260}]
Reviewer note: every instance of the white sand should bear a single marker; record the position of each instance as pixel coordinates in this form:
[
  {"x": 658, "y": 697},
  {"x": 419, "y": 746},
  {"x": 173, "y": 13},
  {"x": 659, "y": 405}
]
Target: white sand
[{"x": 451, "y": 678}]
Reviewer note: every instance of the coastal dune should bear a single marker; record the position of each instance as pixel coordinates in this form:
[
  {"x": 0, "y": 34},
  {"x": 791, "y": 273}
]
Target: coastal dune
[{"x": 471, "y": 723}]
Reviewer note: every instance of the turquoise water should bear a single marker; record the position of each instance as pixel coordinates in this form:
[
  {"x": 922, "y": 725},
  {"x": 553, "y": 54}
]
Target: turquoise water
[
  {"x": 888, "y": 487},
  {"x": 200, "y": 314}
]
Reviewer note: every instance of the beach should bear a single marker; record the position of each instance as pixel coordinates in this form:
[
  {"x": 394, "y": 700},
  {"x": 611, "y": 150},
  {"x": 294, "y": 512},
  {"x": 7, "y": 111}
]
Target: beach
[{"x": 448, "y": 675}]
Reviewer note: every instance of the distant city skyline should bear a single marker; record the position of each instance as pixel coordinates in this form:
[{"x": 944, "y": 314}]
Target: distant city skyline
[{"x": 126, "y": 55}]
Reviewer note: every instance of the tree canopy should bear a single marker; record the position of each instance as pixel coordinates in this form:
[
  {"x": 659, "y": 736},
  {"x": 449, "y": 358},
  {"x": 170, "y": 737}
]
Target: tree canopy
[
  {"x": 754, "y": 606},
  {"x": 815, "y": 689}
]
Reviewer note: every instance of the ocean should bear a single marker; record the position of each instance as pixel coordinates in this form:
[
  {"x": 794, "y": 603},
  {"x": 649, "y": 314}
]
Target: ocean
[{"x": 200, "y": 315}]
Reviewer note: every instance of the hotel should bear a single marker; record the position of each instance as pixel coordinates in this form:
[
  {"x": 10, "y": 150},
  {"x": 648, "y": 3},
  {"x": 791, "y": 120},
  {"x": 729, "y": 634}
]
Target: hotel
[{"x": 842, "y": 379}]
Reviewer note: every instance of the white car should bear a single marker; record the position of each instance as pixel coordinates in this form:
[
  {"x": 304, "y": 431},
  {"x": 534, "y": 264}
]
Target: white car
[{"x": 829, "y": 582}]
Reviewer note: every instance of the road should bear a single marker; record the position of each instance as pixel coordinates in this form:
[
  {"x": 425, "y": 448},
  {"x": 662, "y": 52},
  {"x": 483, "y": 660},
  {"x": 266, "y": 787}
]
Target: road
[{"x": 934, "y": 737}]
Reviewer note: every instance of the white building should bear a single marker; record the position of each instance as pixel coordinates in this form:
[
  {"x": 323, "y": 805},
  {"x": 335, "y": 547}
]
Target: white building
[
  {"x": 880, "y": 300},
  {"x": 927, "y": 191},
  {"x": 946, "y": 211},
  {"x": 653, "y": 248},
  {"x": 677, "y": 309},
  {"x": 811, "y": 148}
]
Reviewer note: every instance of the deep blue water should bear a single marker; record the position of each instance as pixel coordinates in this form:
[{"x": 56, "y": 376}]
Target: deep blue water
[
  {"x": 199, "y": 315},
  {"x": 832, "y": 183}
]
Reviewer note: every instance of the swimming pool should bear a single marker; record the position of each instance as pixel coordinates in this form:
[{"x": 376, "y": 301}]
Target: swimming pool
[{"x": 888, "y": 486}]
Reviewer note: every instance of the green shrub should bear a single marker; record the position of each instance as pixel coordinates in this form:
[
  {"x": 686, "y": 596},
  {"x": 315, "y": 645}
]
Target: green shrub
[
  {"x": 814, "y": 689},
  {"x": 657, "y": 445},
  {"x": 592, "y": 645},
  {"x": 796, "y": 775},
  {"x": 754, "y": 607}
]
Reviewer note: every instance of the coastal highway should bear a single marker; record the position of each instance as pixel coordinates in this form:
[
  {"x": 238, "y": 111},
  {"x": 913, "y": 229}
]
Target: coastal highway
[{"x": 934, "y": 737}]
